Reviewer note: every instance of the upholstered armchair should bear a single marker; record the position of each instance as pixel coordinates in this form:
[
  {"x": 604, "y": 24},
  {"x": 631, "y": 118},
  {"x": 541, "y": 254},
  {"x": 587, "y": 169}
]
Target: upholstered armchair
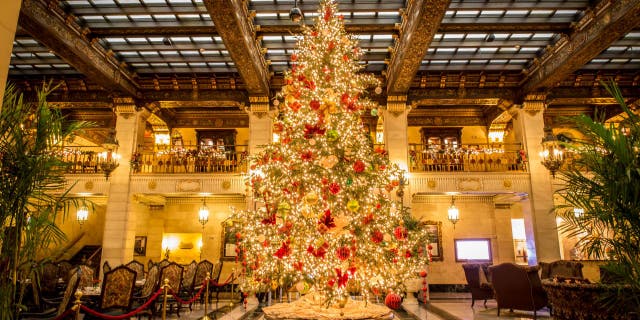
[
  {"x": 477, "y": 279},
  {"x": 517, "y": 287},
  {"x": 64, "y": 303},
  {"x": 561, "y": 268},
  {"x": 116, "y": 295}
]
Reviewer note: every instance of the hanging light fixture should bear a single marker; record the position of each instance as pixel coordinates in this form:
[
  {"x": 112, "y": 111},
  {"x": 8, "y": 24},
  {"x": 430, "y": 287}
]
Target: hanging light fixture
[
  {"x": 203, "y": 213},
  {"x": 295, "y": 14},
  {"x": 578, "y": 212},
  {"x": 551, "y": 155},
  {"x": 453, "y": 214},
  {"x": 82, "y": 214},
  {"x": 109, "y": 160}
]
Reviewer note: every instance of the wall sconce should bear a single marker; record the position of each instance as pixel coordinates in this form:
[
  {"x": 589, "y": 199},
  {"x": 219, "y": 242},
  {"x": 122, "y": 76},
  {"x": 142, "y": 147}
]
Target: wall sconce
[
  {"x": 551, "y": 154},
  {"x": 203, "y": 213},
  {"x": 295, "y": 14},
  {"x": 82, "y": 214},
  {"x": 168, "y": 244},
  {"x": 109, "y": 160},
  {"x": 453, "y": 214},
  {"x": 578, "y": 213}
]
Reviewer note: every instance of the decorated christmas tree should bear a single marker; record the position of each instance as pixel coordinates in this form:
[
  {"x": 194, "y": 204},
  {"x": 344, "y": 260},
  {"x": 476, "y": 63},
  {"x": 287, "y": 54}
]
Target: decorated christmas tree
[{"x": 327, "y": 216}]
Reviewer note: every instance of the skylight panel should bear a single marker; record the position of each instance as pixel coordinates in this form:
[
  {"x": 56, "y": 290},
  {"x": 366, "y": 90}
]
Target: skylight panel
[
  {"x": 27, "y": 41},
  {"x": 190, "y": 53},
  {"x": 387, "y": 14},
  {"x": 149, "y": 53},
  {"x": 467, "y": 50},
  {"x": 143, "y": 17},
  {"x": 431, "y": 50},
  {"x": 382, "y": 37},
  {"x": 439, "y": 61},
  {"x": 188, "y": 16},
  {"x": 117, "y": 17},
  {"x": 179, "y": 1},
  {"x": 599, "y": 60},
  {"x": 565, "y": 13},
  {"x": 197, "y": 64},
  {"x": 498, "y": 61},
  {"x": 453, "y": 36},
  {"x": 103, "y": 2},
  {"x": 137, "y": 40},
  {"x": 45, "y": 54},
  {"x": 541, "y": 13},
  {"x": 467, "y": 13},
  {"x": 619, "y": 60},
  {"x": 24, "y": 66},
  {"x": 128, "y": 53},
  {"x": 93, "y": 18},
  {"x": 217, "y": 64},
  {"x": 178, "y": 64},
  {"x": 475, "y": 36},
  {"x": 43, "y": 66},
  {"x": 437, "y": 37},
  {"x": 632, "y": 35},
  {"x": 488, "y": 49},
  {"x": 508, "y": 50},
  {"x": 478, "y": 61},
  {"x": 165, "y": 17},
  {"x": 520, "y": 36},
  {"x": 61, "y": 66},
  {"x": 516, "y": 13},
  {"x": 153, "y": 1},
  {"x": 278, "y": 63},
  {"x": 491, "y": 13},
  {"x": 616, "y": 49},
  {"x": 139, "y": 64},
  {"x": 271, "y": 38},
  {"x": 364, "y": 14},
  {"x": 542, "y": 36},
  {"x": 290, "y": 38},
  {"x": 128, "y": 1},
  {"x": 156, "y": 40},
  {"x": 460, "y": 61},
  {"x": 500, "y": 36},
  {"x": 364, "y": 37},
  {"x": 159, "y": 64},
  {"x": 25, "y": 55},
  {"x": 76, "y": 3},
  {"x": 518, "y": 61},
  {"x": 267, "y": 15},
  {"x": 116, "y": 40},
  {"x": 529, "y": 49},
  {"x": 180, "y": 39},
  {"x": 166, "y": 53},
  {"x": 276, "y": 51},
  {"x": 446, "y": 50},
  {"x": 202, "y": 39},
  {"x": 449, "y": 13}
]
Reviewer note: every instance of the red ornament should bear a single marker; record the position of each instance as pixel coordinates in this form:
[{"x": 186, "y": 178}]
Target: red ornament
[
  {"x": 238, "y": 235},
  {"x": 423, "y": 273},
  {"x": 314, "y": 104},
  {"x": 377, "y": 236},
  {"x": 334, "y": 188},
  {"x": 343, "y": 253},
  {"x": 368, "y": 218},
  {"x": 331, "y": 45},
  {"x": 307, "y": 155},
  {"x": 294, "y": 57},
  {"x": 295, "y": 106},
  {"x": 400, "y": 233},
  {"x": 283, "y": 251},
  {"x": 327, "y": 14},
  {"x": 393, "y": 301},
  {"x": 345, "y": 58},
  {"x": 358, "y": 166}
]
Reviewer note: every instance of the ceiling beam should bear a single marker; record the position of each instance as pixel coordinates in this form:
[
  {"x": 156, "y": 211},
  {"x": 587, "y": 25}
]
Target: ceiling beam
[
  {"x": 596, "y": 31},
  {"x": 49, "y": 27},
  {"x": 418, "y": 27},
  {"x": 238, "y": 35}
]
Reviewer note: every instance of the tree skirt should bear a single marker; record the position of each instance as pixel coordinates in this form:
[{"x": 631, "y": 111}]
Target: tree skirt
[{"x": 311, "y": 307}]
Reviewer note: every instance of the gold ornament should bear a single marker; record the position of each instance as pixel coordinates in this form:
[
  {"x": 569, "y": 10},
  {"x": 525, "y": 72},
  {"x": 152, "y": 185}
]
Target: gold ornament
[
  {"x": 353, "y": 205},
  {"x": 311, "y": 198},
  {"x": 290, "y": 99}
]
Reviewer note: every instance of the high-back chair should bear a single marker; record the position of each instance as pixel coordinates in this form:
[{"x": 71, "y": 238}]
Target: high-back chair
[
  {"x": 48, "y": 276},
  {"x": 64, "y": 267},
  {"x": 518, "y": 287},
  {"x": 138, "y": 267},
  {"x": 561, "y": 268},
  {"x": 173, "y": 273},
  {"x": 86, "y": 276},
  {"x": 148, "y": 289},
  {"x": 477, "y": 279},
  {"x": 116, "y": 295},
  {"x": 65, "y": 303},
  {"x": 106, "y": 267}
]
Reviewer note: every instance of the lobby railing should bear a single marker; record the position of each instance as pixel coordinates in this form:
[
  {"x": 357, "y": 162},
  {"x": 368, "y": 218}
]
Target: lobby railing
[
  {"x": 192, "y": 159},
  {"x": 467, "y": 158},
  {"x": 82, "y": 159}
]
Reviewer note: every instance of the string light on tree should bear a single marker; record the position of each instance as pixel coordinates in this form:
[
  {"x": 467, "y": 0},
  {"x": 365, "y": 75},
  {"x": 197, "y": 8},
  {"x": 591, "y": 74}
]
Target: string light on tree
[{"x": 327, "y": 215}]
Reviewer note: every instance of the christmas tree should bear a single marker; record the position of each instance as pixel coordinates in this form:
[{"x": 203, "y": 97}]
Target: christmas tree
[{"x": 326, "y": 212}]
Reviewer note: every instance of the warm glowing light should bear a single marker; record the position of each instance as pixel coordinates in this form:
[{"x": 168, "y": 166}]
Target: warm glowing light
[
  {"x": 203, "y": 213},
  {"x": 496, "y": 136},
  {"x": 82, "y": 214},
  {"x": 162, "y": 139},
  {"x": 170, "y": 243},
  {"x": 578, "y": 212}
]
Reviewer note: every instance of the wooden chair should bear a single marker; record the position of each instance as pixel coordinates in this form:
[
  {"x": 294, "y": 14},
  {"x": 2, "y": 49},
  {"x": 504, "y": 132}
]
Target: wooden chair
[
  {"x": 62, "y": 304},
  {"x": 173, "y": 273},
  {"x": 116, "y": 295},
  {"x": 518, "y": 287},
  {"x": 48, "y": 284},
  {"x": 64, "y": 267},
  {"x": 202, "y": 268},
  {"x": 148, "y": 289},
  {"x": 105, "y": 267},
  {"x": 138, "y": 267},
  {"x": 86, "y": 275},
  {"x": 480, "y": 290}
]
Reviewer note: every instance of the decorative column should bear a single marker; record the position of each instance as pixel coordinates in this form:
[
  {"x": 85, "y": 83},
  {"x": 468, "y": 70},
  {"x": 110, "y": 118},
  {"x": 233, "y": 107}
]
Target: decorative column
[
  {"x": 504, "y": 235},
  {"x": 540, "y": 225},
  {"x": 8, "y": 25},
  {"x": 119, "y": 226},
  {"x": 259, "y": 123},
  {"x": 395, "y": 130}
]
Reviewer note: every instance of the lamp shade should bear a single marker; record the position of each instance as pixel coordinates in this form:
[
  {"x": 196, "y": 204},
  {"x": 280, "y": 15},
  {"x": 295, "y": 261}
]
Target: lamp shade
[
  {"x": 453, "y": 214},
  {"x": 82, "y": 215},
  {"x": 203, "y": 214}
]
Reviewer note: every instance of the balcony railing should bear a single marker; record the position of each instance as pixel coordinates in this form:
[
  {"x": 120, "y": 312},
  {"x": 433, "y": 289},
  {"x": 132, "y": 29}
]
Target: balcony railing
[
  {"x": 192, "y": 159},
  {"x": 470, "y": 158},
  {"x": 82, "y": 159}
]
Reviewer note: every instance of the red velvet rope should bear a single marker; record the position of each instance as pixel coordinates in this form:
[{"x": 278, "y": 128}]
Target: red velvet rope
[
  {"x": 64, "y": 314},
  {"x": 226, "y": 282},
  {"x": 190, "y": 301},
  {"x": 126, "y": 315}
]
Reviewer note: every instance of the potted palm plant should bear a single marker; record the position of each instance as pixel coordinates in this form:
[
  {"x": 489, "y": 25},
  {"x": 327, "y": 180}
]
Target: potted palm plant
[
  {"x": 604, "y": 181},
  {"x": 33, "y": 189}
]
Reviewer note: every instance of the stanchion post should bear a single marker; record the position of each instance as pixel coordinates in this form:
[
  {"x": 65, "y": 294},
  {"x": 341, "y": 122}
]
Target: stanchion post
[
  {"x": 164, "y": 299},
  {"x": 233, "y": 272},
  {"x": 206, "y": 297},
  {"x": 78, "y": 303}
]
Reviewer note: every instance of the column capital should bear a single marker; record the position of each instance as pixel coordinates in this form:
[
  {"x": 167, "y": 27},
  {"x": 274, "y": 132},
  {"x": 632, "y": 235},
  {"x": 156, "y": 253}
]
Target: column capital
[
  {"x": 258, "y": 106},
  {"x": 534, "y": 103},
  {"x": 397, "y": 104},
  {"x": 124, "y": 106}
]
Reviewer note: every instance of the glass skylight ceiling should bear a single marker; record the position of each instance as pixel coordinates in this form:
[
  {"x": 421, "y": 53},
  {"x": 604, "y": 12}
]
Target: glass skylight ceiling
[
  {"x": 29, "y": 57},
  {"x": 622, "y": 54}
]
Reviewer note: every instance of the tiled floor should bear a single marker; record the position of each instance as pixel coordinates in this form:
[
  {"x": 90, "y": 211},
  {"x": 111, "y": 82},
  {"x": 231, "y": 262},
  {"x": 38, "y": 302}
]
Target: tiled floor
[{"x": 452, "y": 306}]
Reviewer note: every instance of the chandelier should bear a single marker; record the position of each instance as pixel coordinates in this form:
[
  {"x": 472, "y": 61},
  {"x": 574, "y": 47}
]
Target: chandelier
[
  {"x": 109, "y": 160},
  {"x": 453, "y": 214},
  {"x": 551, "y": 155}
]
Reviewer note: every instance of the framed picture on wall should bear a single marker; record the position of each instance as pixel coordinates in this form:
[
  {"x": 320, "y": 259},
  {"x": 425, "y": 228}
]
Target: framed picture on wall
[
  {"x": 140, "y": 246},
  {"x": 228, "y": 250},
  {"x": 435, "y": 238}
]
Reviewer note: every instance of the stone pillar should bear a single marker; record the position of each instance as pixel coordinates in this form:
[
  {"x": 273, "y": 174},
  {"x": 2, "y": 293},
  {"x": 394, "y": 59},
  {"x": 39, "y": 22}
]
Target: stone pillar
[
  {"x": 395, "y": 130},
  {"x": 120, "y": 226},
  {"x": 8, "y": 23},
  {"x": 540, "y": 225},
  {"x": 259, "y": 123},
  {"x": 504, "y": 235}
]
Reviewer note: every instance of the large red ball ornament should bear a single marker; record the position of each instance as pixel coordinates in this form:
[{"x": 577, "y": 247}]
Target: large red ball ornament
[
  {"x": 393, "y": 301},
  {"x": 343, "y": 253}
]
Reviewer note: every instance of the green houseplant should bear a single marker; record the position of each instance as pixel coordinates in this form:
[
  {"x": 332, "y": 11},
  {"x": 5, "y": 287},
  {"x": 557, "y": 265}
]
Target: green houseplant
[
  {"x": 604, "y": 181},
  {"x": 33, "y": 188}
]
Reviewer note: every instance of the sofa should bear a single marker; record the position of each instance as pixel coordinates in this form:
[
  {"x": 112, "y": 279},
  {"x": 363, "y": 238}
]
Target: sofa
[{"x": 561, "y": 268}]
